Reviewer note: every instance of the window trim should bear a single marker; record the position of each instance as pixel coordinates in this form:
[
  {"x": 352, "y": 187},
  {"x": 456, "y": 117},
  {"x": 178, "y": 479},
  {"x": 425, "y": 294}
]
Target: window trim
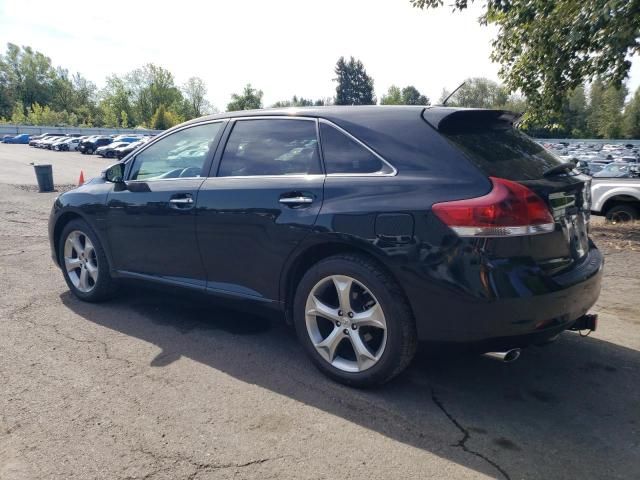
[
  {"x": 218, "y": 159},
  {"x": 206, "y": 166},
  {"x": 379, "y": 173}
]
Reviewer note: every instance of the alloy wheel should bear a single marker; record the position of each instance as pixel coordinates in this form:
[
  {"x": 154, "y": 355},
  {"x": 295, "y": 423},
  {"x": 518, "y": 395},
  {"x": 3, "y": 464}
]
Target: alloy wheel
[
  {"x": 345, "y": 323},
  {"x": 80, "y": 261}
]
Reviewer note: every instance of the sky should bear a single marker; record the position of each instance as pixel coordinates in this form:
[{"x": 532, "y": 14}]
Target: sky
[{"x": 282, "y": 47}]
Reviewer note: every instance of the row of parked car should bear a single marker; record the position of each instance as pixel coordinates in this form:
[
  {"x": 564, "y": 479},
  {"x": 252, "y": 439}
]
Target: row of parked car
[
  {"x": 110, "y": 146},
  {"x": 600, "y": 160}
]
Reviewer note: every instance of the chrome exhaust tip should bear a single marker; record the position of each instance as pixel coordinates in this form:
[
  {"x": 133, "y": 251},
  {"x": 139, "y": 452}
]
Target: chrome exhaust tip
[{"x": 506, "y": 357}]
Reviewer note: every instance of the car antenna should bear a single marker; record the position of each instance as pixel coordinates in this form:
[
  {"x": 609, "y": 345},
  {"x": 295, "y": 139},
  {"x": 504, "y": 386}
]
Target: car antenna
[{"x": 444, "y": 103}]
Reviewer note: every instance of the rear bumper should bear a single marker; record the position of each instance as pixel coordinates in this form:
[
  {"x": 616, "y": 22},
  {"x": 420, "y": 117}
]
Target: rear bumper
[{"x": 518, "y": 305}]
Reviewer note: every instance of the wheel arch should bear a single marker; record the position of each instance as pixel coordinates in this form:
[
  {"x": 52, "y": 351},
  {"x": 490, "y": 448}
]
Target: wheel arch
[
  {"x": 63, "y": 220},
  {"x": 619, "y": 199},
  {"x": 309, "y": 255}
]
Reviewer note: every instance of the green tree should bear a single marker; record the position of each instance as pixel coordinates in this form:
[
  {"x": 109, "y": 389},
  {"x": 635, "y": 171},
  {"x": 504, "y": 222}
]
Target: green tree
[
  {"x": 17, "y": 115},
  {"x": 407, "y": 96},
  {"x": 63, "y": 95},
  {"x": 249, "y": 99},
  {"x": 575, "y": 113},
  {"x": 355, "y": 86},
  {"x": 611, "y": 120},
  {"x": 548, "y": 48},
  {"x": 195, "y": 95},
  {"x": 109, "y": 116},
  {"x": 26, "y": 75},
  {"x": 392, "y": 97},
  {"x": 124, "y": 119},
  {"x": 631, "y": 117},
  {"x": 411, "y": 96},
  {"x": 605, "y": 110},
  {"x": 117, "y": 98},
  {"x": 296, "y": 102},
  {"x": 149, "y": 87},
  {"x": 596, "y": 108},
  {"x": 163, "y": 119},
  {"x": 34, "y": 115},
  {"x": 478, "y": 92}
]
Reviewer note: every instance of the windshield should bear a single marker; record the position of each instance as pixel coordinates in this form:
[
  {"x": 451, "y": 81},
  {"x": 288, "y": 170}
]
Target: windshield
[{"x": 613, "y": 170}]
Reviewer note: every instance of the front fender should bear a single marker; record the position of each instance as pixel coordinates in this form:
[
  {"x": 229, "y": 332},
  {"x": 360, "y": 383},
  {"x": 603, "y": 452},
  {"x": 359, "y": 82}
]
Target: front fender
[
  {"x": 603, "y": 192},
  {"x": 87, "y": 202}
]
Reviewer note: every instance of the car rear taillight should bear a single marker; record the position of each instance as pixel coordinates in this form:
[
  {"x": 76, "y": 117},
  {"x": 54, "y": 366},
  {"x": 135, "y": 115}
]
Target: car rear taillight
[{"x": 509, "y": 209}]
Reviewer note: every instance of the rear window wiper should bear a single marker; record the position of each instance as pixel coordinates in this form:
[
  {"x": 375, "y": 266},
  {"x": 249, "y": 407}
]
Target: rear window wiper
[{"x": 560, "y": 168}]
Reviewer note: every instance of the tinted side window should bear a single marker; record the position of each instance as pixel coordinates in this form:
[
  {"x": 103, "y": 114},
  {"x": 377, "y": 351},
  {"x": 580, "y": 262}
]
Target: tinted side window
[
  {"x": 180, "y": 155},
  {"x": 271, "y": 147},
  {"x": 344, "y": 155}
]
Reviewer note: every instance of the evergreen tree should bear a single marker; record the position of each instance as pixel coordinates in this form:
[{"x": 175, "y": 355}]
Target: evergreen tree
[
  {"x": 611, "y": 126},
  {"x": 355, "y": 87},
  {"x": 631, "y": 117},
  {"x": 575, "y": 112},
  {"x": 605, "y": 110},
  {"x": 596, "y": 104},
  {"x": 296, "y": 102},
  {"x": 249, "y": 99}
]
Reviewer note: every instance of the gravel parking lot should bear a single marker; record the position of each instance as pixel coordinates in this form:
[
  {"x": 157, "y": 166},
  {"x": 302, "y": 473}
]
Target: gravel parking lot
[{"x": 157, "y": 386}]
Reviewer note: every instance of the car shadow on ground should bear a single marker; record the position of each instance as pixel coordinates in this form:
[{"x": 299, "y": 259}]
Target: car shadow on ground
[{"x": 566, "y": 410}]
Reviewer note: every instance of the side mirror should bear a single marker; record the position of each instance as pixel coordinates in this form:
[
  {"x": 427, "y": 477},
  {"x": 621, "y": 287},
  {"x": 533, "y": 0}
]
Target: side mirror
[{"x": 114, "y": 174}]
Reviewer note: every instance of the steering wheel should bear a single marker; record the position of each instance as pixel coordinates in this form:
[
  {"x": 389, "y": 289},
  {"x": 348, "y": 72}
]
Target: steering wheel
[{"x": 190, "y": 172}]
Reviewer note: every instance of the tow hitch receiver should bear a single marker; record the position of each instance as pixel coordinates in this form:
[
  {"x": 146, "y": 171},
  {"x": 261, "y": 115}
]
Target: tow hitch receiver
[{"x": 588, "y": 321}]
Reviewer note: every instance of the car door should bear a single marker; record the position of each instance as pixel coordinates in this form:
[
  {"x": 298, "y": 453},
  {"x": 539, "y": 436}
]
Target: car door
[
  {"x": 151, "y": 217},
  {"x": 264, "y": 200}
]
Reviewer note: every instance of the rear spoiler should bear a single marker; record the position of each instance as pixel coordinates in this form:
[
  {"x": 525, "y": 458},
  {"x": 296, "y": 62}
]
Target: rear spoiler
[{"x": 449, "y": 120}]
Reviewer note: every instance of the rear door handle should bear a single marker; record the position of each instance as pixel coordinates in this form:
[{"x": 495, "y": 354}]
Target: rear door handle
[{"x": 296, "y": 200}]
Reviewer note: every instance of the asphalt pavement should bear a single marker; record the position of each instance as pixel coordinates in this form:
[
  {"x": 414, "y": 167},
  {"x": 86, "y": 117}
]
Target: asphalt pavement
[{"x": 159, "y": 385}]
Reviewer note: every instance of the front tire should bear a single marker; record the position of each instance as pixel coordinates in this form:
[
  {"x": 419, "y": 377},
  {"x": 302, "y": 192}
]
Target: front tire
[
  {"x": 84, "y": 264},
  {"x": 354, "y": 321},
  {"x": 622, "y": 214}
]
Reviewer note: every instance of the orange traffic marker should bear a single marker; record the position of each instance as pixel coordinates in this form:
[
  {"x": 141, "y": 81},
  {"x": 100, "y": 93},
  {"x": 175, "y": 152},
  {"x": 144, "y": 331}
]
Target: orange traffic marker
[{"x": 81, "y": 179}]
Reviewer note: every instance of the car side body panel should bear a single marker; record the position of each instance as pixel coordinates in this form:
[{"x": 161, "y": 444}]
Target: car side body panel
[{"x": 460, "y": 290}]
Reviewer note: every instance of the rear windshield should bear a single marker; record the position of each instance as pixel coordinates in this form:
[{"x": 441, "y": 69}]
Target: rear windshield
[{"x": 504, "y": 152}]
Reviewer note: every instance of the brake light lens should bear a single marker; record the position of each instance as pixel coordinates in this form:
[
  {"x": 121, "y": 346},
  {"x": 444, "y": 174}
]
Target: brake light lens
[{"x": 509, "y": 209}]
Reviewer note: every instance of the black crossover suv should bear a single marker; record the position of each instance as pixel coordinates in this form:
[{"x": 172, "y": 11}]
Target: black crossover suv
[{"x": 368, "y": 228}]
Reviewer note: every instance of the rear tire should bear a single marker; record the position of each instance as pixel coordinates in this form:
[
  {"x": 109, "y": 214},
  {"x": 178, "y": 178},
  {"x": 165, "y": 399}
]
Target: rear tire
[
  {"x": 365, "y": 334},
  {"x": 84, "y": 264},
  {"x": 622, "y": 214}
]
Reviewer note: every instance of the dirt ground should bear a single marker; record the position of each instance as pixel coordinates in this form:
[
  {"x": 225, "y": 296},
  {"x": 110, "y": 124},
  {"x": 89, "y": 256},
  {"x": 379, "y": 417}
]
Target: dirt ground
[{"x": 159, "y": 386}]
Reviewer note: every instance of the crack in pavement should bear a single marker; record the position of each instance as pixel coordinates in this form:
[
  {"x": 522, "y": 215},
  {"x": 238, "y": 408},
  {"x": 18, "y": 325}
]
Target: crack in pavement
[
  {"x": 57, "y": 331},
  {"x": 462, "y": 443},
  {"x": 198, "y": 466}
]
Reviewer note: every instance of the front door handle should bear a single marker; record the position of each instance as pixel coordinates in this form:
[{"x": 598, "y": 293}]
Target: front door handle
[
  {"x": 181, "y": 201},
  {"x": 296, "y": 200}
]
